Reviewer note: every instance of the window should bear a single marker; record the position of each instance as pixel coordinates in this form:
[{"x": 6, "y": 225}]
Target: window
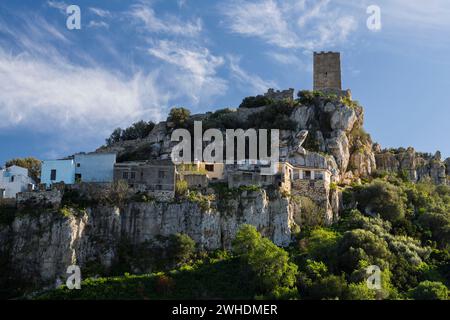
[
  {"x": 12, "y": 178},
  {"x": 125, "y": 175},
  {"x": 161, "y": 174},
  {"x": 209, "y": 167},
  {"x": 307, "y": 175},
  {"x": 77, "y": 177},
  {"x": 78, "y": 165},
  {"x": 133, "y": 175},
  {"x": 53, "y": 175},
  {"x": 318, "y": 175}
]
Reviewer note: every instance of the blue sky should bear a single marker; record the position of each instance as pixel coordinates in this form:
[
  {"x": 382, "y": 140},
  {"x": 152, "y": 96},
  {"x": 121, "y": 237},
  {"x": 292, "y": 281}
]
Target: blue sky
[{"x": 63, "y": 91}]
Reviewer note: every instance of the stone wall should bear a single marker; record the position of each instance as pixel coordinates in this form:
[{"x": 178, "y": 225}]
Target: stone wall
[
  {"x": 39, "y": 199},
  {"x": 280, "y": 95},
  {"x": 327, "y": 70},
  {"x": 319, "y": 192}
]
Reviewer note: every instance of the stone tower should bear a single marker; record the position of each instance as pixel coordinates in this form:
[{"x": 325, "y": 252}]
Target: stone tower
[{"x": 327, "y": 71}]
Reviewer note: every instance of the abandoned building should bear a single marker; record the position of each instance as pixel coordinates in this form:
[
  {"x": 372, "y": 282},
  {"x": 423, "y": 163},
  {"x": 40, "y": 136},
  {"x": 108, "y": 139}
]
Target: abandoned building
[
  {"x": 14, "y": 180},
  {"x": 82, "y": 167},
  {"x": 155, "y": 177},
  {"x": 327, "y": 71}
]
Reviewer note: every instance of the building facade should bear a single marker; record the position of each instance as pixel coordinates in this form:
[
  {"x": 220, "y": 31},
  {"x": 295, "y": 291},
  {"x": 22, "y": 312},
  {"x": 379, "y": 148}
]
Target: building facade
[
  {"x": 156, "y": 177},
  {"x": 94, "y": 167},
  {"x": 14, "y": 180},
  {"x": 83, "y": 167},
  {"x": 56, "y": 171}
]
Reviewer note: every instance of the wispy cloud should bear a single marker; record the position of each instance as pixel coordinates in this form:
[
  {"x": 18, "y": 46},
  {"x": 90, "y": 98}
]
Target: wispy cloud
[
  {"x": 170, "y": 24},
  {"x": 59, "y": 5},
  {"x": 102, "y": 13},
  {"x": 98, "y": 24},
  {"x": 304, "y": 24},
  {"x": 246, "y": 80},
  {"x": 195, "y": 68}
]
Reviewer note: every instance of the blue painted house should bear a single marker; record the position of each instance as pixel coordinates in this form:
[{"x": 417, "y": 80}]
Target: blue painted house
[
  {"x": 55, "y": 171},
  {"x": 94, "y": 167},
  {"x": 83, "y": 167}
]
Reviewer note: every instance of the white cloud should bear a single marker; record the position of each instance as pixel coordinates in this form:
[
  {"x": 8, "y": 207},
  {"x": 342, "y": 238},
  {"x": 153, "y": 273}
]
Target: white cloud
[
  {"x": 289, "y": 24},
  {"x": 102, "y": 13},
  {"x": 98, "y": 24},
  {"x": 194, "y": 68},
  {"x": 54, "y": 94},
  {"x": 256, "y": 84},
  {"x": 170, "y": 24},
  {"x": 61, "y": 6}
]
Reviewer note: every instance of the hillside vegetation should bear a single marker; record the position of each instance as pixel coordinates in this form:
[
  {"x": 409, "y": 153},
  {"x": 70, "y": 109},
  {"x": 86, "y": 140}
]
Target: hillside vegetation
[{"x": 401, "y": 227}]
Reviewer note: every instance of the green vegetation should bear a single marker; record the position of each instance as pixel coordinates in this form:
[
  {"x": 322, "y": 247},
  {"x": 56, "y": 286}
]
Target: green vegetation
[
  {"x": 137, "y": 130},
  {"x": 401, "y": 227},
  {"x": 255, "y": 102},
  {"x": 179, "y": 116}
]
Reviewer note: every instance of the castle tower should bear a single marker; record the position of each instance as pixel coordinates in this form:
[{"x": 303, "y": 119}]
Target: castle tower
[{"x": 327, "y": 71}]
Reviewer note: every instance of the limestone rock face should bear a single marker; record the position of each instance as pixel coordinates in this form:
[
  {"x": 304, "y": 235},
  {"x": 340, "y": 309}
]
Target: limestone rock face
[
  {"x": 418, "y": 166},
  {"x": 343, "y": 119},
  {"x": 40, "y": 248},
  {"x": 339, "y": 147},
  {"x": 335, "y": 129}
]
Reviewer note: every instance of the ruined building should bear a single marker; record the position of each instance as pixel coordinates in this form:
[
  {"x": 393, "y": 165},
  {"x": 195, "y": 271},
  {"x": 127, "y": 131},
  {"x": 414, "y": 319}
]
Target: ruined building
[{"x": 327, "y": 71}]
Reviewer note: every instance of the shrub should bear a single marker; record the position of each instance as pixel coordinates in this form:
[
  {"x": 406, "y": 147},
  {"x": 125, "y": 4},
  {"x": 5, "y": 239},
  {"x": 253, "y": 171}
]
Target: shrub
[
  {"x": 179, "y": 116},
  {"x": 255, "y": 102},
  {"x": 382, "y": 198},
  {"x": 428, "y": 290},
  {"x": 181, "y": 248},
  {"x": 270, "y": 264},
  {"x": 137, "y": 130},
  {"x": 181, "y": 188}
]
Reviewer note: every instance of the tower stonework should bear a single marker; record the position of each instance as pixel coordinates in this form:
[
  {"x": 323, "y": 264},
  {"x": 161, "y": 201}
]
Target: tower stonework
[{"x": 327, "y": 71}]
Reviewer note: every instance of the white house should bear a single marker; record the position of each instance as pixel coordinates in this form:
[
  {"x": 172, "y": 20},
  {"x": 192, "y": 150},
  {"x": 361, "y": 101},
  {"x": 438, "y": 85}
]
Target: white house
[{"x": 13, "y": 180}]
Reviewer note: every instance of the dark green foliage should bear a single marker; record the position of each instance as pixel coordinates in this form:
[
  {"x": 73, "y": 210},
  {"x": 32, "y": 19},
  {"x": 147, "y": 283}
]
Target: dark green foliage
[
  {"x": 181, "y": 248},
  {"x": 383, "y": 198},
  {"x": 428, "y": 290},
  {"x": 359, "y": 244},
  {"x": 255, "y": 102},
  {"x": 275, "y": 116},
  {"x": 269, "y": 263},
  {"x": 137, "y": 130}
]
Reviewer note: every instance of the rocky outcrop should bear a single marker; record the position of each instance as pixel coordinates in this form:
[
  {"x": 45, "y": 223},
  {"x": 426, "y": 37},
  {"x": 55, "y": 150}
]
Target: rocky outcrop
[
  {"x": 41, "y": 247},
  {"x": 417, "y": 166}
]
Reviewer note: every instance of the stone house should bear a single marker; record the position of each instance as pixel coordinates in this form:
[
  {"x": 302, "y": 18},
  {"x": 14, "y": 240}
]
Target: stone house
[
  {"x": 14, "y": 180},
  {"x": 155, "y": 177}
]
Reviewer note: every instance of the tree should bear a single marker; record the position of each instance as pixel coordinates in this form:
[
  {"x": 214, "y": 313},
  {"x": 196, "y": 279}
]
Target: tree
[
  {"x": 269, "y": 263},
  {"x": 32, "y": 164},
  {"x": 359, "y": 244},
  {"x": 383, "y": 198},
  {"x": 321, "y": 244},
  {"x": 360, "y": 291},
  {"x": 330, "y": 287},
  {"x": 428, "y": 290},
  {"x": 181, "y": 248},
  {"x": 137, "y": 130},
  {"x": 179, "y": 116}
]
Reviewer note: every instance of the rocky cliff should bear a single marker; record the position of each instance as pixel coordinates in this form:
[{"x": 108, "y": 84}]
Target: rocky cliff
[
  {"x": 415, "y": 165},
  {"x": 40, "y": 247}
]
